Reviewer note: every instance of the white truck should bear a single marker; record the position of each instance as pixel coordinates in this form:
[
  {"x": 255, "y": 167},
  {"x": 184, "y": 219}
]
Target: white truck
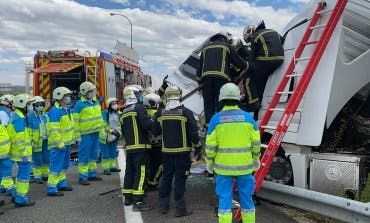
[{"x": 327, "y": 145}]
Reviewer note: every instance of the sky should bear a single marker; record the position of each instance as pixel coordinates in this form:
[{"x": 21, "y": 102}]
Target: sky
[{"x": 165, "y": 32}]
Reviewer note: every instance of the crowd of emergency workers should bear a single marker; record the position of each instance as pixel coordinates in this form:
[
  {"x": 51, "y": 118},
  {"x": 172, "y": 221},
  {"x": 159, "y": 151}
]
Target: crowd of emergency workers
[{"x": 157, "y": 132}]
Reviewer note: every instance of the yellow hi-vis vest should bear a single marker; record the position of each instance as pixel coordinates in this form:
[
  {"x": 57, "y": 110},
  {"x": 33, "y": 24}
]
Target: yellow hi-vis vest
[
  {"x": 4, "y": 142},
  {"x": 19, "y": 137},
  {"x": 233, "y": 142},
  {"x": 87, "y": 117}
]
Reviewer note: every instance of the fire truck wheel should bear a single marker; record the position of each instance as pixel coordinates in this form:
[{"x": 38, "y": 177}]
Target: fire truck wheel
[{"x": 280, "y": 171}]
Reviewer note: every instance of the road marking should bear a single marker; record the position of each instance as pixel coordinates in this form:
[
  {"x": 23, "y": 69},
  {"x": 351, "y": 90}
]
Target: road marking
[{"x": 130, "y": 216}]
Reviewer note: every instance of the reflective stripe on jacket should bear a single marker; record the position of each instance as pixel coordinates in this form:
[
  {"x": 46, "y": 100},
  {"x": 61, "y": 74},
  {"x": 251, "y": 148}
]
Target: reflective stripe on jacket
[
  {"x": 4, "y": 142},
  {"x": 35, "y": 126},
  {"x": 107, "y": 128},
  {"x": 19, "y": 137},
  {"x": 87, "y": 116},
  {"x": 266, "y": 45},
  {"x": 154, "y": 139},
  {"x": 60, "y": 127},
  {"x": 233, "y": 142}
]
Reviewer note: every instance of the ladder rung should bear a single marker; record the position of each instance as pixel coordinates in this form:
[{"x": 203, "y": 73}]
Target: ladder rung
[
  {"x": 294, "y": 75},
  {"x": 318, "y": 26},
  {"x": 268, "y": 127},
  {"x": 310, "y": 42},
  {"x": 264, "y": 145},
  {"x": 277, "y": 109},
  {"x": 285, "y": 92},
  {"x": 324, "y": 11},
  {"x": 302, "y": 58}
]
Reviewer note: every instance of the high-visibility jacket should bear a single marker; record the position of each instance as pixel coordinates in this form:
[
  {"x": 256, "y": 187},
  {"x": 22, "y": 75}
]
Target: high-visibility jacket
[
  {"x": 19, "y": 137},
  {"x": 135, "y": 124},
  {"x": 233, "y": 142},
  {"x": 111, "y": 122},
  {"x": 179, "y": 130},
  {"x": 4, "y": 142},
  {"x": 60, "y": 127},
  {"x": 37, "y": 125},
  {"x": 87, "y": 116},
  {"x": 267, "y": 45},
  {"x": 154, "y": 139}
]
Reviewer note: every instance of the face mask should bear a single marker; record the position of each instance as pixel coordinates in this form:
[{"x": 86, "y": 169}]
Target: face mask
[
  {"x": 39, "y": 108},
  {"x": 67, "y": 100},
  {"x": 114, "y": 107},
  {"x": 91, "y": 95},
  {"x": 29, "y": 108}
]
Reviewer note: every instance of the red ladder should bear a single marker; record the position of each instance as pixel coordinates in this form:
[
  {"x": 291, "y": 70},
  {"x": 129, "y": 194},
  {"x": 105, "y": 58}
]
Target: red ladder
[{"x": 297, "y": 94}]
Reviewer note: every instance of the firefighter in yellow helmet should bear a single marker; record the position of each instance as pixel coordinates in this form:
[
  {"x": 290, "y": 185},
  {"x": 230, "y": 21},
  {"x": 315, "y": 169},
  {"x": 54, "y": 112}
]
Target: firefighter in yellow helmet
[
  {"x": 21, "y": 150},
  {"x": 179, "y": 132},
  {"x": 37, "y": 121},
  {"x": 232, "y": 152},
  {"x": 135, "y": 124},
  {"x": 109, "y": 136},
  {"x": 88, "y": 123}
]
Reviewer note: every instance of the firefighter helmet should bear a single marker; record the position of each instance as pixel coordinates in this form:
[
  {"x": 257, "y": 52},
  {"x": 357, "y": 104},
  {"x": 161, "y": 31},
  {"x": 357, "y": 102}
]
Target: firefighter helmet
[
  {"x": 59, "y": 93},
  {"x": 248, "y": 33},
  {"x": 149, "y": 90},
  {"x": 151, "y": 100},
  {"x": 38, "y": 99},
  {"x": 21, "y": 100},
  {"x": 110, "y": 100},
  {"x": 173, "y": 92},
  {"x": 6, "y": 99},
  {"x": 86, "y": 87},
  {"x": 229, "y": 91}
]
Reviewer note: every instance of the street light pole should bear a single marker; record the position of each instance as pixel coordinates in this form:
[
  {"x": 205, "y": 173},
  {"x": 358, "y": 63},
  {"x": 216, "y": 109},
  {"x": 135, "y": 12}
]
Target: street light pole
[{"x": 113, "y": 14}]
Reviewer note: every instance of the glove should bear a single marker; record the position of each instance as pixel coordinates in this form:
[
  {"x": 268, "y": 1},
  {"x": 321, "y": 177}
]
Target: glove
[
  {"x": 115, "y": 133},
  {"x": 209, "y": 168},
  {"x": 24, "y": 159},
  {"x": 111, "y": 138},
  {"x": 198, "y": 153},
  {"x": 63, "y": 149}
]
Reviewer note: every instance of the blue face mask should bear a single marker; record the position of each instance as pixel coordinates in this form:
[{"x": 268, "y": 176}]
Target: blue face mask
[
  {"x": 39, "y": 108},
  {"x": 67, "y": 100},
  {"x": 29, "y": 108}
]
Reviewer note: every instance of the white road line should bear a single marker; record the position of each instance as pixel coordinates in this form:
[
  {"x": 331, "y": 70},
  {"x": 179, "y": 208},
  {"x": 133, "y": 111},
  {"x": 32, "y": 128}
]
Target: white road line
[{"x": 130, "y": 216}]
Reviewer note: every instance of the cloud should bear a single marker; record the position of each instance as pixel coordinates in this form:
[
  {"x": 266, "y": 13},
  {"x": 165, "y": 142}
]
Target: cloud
[
  {"x": 124, "y": 2},
  {"x": 163, "y": 38}
]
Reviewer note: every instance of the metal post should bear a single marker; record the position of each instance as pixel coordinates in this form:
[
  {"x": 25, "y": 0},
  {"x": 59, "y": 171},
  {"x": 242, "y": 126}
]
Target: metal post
[{"x": 113, "y": 14}]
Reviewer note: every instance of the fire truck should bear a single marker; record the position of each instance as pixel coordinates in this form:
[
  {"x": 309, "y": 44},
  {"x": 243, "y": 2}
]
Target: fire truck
[{"x": 110, "y": 72}]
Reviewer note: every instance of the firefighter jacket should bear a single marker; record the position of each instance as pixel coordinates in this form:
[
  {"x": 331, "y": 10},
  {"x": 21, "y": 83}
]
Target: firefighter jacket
[
  {"x": 4, "y": 142},
  {"x": 267, "y": 45},
  {"x": 233, "y": 142},
  {"x": 20, "y": 139},
  {"x": 87, "y": 117},
  {"x": 60, "y": 127},
  {"x": 178, "y": 128},
  {"x": 217, "y": 59},
  {"x": 135, "y": 124},
  {"x": 111, "y": 123},
  {"x": 154, "y": 139},
  {"x": 38, "y": 130}
]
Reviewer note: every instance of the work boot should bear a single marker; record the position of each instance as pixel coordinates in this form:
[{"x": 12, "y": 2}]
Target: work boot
[
  {"x": 2, "y": 203},
  {"x": 38, "y": 181},
  {"x": 66, "y": 189},
  {"x": 56, "y": 194},
  {"x": 28, "y": 204},
  {"x": 95, "y": 179},
  {"x": 181, "y": 209},
  {"x": 83, "y": 182},
  {"x": 141, "y": 206},
  {"x": 45, "y": 179},
  {"x": 164, "y": 204},
  {"x": 107, "y": 172},
  {"x": 128, "y": 201},
  {"x": 115, "y": 170},
  {"x": 1, "y": 212}
]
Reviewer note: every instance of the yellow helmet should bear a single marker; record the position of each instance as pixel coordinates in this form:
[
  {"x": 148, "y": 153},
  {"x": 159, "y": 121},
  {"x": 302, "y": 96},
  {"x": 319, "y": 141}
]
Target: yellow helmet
[
  {"x": 86, "y": 87},
  {"x": 6, "y": 99},
  {"x": 173, "y": 92},
  {"x": 21, "y": 100},
  {"x": 59, "y": 93}
]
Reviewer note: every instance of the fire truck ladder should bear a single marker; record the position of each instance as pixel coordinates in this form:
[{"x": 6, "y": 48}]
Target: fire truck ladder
[
  {"x": 95, "y": 67},
  {"x": 298, "y": 92}
]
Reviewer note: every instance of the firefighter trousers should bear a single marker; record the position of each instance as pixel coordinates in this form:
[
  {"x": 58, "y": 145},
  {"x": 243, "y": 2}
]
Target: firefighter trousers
[
  {"x": 177, "y": 165},
  {"x": 211, "y": 91},
  {"x": 155, "y": 168},
  {"x": 136, "y": 175}
]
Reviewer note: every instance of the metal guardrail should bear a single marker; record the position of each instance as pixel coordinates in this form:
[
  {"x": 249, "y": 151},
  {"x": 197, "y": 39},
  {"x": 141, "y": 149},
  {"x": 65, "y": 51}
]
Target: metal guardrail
[{"x": 329, "y": 205}]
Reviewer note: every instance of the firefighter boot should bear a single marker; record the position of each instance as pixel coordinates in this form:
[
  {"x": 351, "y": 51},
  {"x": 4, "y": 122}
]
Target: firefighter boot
[
  {"x": 164, "y": 204},
  {"x": 141, "y": 206},
  {"x": 181, "y": 210}
]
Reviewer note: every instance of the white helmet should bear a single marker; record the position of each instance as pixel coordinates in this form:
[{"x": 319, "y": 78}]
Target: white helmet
[
  {"x": 248, "y": 33},
  {"x": 59, "y": 93},
  {"x": 149, "y": 90},
  {"x": 229, "y": 91},
  {"x": 110, "y": 100},
  {"x": 6, "y": 99},
  {"x": 151, "y": 100},
  {"x": 86, "y": 87},
  {"x": 173, "y": 93},
  {"x": 21, "y": 100},
  {"x": 227, "y": 35},
  {"x": 38, "y": 99}
]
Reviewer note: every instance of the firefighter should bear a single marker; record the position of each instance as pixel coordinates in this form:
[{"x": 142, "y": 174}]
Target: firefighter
[
  {"x": 216, "y": 61},
  {"x": 163, "y": 87},
  {"x": 40, "y": 154},
  {"x": 61, "y": 137},
  {"x": 267, "y": 54},
  {"x": 6, "y": 108},
  {"x": 20, "y": 151},
  {"x": 135, "y": 124},
  {"x": 151, "y": 103},
  {"x": 88, "y": 123},
  {"x": 232, "y": 152},
  {"x": 109, "y": 136},
  {"x": 179, "y": 132}
]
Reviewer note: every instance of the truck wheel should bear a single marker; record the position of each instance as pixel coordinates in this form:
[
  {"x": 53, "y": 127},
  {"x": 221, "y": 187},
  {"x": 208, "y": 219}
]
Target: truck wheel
[{"x": 280, "y": 171}]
